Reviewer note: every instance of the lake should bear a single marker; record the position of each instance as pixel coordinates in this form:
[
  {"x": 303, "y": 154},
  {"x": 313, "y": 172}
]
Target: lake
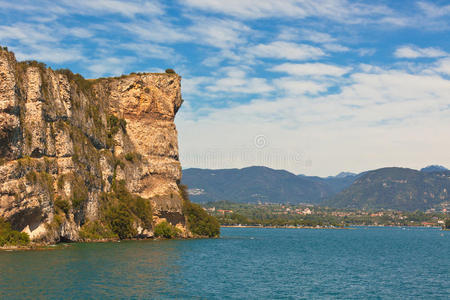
[{"x": 246, "y": 263}]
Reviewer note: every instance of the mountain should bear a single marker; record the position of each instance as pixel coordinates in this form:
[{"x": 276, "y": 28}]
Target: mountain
[
  {"x": 434, "y": 168},
  {"x": 389, "y": 188},
  {"x": 345, "y": 175},
  {"x": 260, "y": 184},
  {"x": 395, "y": 188}
]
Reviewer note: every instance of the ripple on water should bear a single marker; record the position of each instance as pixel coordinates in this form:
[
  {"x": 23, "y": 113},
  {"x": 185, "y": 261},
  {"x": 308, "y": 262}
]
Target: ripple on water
[{"x": 247, "y": 263}]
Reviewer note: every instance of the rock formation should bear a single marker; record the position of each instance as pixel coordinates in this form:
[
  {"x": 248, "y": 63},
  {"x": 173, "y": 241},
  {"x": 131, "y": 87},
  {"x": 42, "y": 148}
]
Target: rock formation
[{"x": 73, "y": 150}]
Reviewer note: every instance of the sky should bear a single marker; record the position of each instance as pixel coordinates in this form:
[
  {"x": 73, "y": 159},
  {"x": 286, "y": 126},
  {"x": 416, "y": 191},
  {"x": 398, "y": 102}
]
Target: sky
[{"x": 315, "y": 87}]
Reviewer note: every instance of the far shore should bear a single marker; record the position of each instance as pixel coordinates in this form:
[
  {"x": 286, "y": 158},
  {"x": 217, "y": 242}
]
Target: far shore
[
  {"x": 327, "y": 227},
  {"x": 288, "y": 227}
]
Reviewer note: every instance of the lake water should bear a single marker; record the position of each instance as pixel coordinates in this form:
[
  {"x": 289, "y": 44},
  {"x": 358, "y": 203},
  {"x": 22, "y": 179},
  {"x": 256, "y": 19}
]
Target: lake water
[{"x": 246, "y": 263}]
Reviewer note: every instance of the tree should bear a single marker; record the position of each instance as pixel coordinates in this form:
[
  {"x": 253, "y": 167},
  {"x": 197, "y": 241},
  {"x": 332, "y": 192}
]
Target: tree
[{"x": 447, "y": 224}]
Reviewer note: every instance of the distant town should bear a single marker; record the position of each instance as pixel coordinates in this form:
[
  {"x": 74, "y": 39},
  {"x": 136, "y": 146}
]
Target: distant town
[{"x": 306, "y": 215}]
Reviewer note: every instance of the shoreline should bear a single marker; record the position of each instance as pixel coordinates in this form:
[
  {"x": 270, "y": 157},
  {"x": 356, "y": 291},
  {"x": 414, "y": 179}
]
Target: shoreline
[
  {"x": 63, "y": 245},
  {"x": 59, "y": 246}
]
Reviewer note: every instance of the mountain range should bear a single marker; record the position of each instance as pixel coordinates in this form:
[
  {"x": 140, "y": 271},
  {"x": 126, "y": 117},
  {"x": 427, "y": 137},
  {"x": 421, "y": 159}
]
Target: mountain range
[{"x": 388, "y": 188}]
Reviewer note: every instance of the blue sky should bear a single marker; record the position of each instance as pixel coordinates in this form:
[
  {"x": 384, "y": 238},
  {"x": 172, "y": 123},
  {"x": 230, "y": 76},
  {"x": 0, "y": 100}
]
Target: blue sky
[{"x": 314, "y": 87}]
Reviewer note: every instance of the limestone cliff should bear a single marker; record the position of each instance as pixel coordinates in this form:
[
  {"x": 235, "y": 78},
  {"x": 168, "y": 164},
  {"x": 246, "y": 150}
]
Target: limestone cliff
[{"x": 70, "y": 146}]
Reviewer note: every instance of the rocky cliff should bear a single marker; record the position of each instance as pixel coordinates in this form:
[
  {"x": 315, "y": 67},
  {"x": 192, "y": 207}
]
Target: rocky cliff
[{"x": 82, "y": 156}]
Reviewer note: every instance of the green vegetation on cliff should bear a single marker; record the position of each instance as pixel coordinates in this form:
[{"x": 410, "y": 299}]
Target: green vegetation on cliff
[
  {"x": 120, "y": 209},
  {"x": 95, "y": 230},
  {"x": 199, "y": 222},
  {"x": 9, "y": 237},
  {"x": 166, "y": 230}
]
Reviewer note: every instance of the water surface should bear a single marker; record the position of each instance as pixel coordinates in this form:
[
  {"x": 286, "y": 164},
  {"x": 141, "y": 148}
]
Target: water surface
[{"x": 246, "y": 263}]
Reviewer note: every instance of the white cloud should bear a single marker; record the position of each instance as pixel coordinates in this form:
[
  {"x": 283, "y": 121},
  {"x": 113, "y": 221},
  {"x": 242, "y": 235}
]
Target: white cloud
[
  {"x": 215, "y": 58},
  {"x": 27, "y": 34},
  {"x": 146, "y": 50},
  {"x": 156, "y": 31},
  {"x": 237, "y": 81},
  {"x": 389, "y": 112},
  {"x": 434, "y": 10},
  {"x": 112, "y": 66},
  {"x": 78, "y": 32},
  {"x": 416, "y": 52},
  {"x": 126, "y": 8},
  {"x": 336, "y": 48},
  {"x": 286, "y": 50},
  {"x": 339, "y": 10},
  {"x": 316, "y": 36},
  {"x": 213, "y": 32},
  {"x": 326, "y": 40},
  {"x": 49, "y": 54},
  {"x": 311, "y": 69},
  {"x": 218, "y": 33},
  {"x": 366, "y": 51},
  {"x": 192, "y": 86},
  {"x": 249, "y": 8},
  {"x": 293, "y": 87},
  {"x": 443, "y": 66}
]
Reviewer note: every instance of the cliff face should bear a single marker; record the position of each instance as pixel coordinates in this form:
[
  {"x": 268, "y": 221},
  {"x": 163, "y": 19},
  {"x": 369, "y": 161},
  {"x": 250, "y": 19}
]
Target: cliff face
[{"x": 74, "y": 152}]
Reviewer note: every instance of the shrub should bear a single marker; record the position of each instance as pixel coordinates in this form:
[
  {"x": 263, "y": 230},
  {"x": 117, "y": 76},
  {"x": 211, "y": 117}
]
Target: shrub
[
  {"x": 9, "y": 237},
  {"x": 115, "y": 124},
  {"x": 199, "y": 222},
  {"x": 123, "y": 124},
  {"x": 133, "y": 156},
  {"x": 95, "y": 230},
  {"x": 62, "y": 204},
  {"x": 121, "y": 221},
  {"x": 166, "y": 230},
  {"x": 82, "y": 83},
  {"x": 129, "y": 156},
  {"x": 138, "y": 206},
  {"x": 80, "y": 192},
  {"x": 120, "y": 209},
  {"x": 170, "y": 71}
]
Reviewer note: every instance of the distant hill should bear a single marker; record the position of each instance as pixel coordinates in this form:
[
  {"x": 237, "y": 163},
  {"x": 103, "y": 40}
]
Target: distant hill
[
  {"x": 389, "y": 188},
  {"x": 434, "y": 168},
  {"x": 395, "y": 188},
  {"x": 261, "y": 184}
]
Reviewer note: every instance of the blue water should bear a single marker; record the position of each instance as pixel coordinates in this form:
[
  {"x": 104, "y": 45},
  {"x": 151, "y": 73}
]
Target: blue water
[{"x": 246, "y": 263}]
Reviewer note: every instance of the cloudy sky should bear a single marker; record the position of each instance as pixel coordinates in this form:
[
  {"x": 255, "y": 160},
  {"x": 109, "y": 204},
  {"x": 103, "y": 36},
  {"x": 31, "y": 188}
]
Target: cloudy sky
[{"x": 312, "y": 86}]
